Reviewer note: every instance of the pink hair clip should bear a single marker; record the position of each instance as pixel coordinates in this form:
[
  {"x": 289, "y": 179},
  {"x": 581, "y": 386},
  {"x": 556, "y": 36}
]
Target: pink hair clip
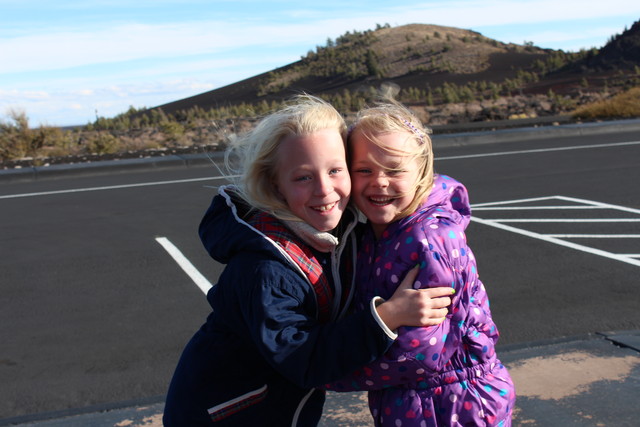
[{"x": 415, "y": 130}]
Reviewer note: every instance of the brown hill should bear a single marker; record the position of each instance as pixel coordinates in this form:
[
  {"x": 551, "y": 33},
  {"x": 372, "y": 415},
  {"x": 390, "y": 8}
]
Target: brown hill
[
  {"x": 429, "y": 58},
  {"x": 414, "y": 55}
]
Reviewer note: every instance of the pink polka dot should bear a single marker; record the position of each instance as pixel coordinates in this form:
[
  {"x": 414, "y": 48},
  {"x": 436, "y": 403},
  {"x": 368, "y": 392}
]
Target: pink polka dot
[
  {"x": 410, "y": 414},
  {"x": 414, "y": 343},
  {"x": 467, "y": 406}
]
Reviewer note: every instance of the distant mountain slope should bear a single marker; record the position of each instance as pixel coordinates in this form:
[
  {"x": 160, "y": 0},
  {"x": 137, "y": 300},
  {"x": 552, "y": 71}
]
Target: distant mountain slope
[
  {"x": 424, "y": 57},
  {"x": 622, "y": 51}
]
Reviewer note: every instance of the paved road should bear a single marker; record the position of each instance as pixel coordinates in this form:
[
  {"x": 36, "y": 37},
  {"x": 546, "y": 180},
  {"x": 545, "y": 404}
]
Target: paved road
[{"x": 95, "y": 310}]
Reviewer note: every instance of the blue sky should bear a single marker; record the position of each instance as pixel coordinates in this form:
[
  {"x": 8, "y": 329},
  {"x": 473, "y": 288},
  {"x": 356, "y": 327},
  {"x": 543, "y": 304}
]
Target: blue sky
[{"x": 63, "y": 62}]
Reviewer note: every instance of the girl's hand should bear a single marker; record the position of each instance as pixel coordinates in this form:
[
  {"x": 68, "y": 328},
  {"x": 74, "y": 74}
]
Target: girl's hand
[{"x": 415, "y": 307}]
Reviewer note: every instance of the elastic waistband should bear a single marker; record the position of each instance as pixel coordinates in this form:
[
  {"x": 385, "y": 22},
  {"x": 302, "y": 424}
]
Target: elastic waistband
[{"x": 458, "y": 375}]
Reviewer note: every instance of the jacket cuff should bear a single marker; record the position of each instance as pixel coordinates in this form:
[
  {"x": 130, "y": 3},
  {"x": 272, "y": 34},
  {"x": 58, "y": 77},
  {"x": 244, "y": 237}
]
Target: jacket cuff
[{"x": 376, "y": 301}]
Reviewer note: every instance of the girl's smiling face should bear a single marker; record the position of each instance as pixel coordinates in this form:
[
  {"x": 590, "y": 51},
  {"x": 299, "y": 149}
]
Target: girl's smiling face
[
  {"x": 313, "y": 177},
  {"x": 383, "y": 179}
]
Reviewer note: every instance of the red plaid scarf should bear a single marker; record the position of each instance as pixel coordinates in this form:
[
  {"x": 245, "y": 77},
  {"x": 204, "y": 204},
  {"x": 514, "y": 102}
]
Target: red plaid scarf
[{"x": 301, "y": 255}]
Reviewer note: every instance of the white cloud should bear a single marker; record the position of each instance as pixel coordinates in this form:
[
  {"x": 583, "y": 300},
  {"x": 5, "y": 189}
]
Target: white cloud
[
  {"x": 474, "y": 13},
  {"x": 65, "y": 72},
  {"x": 81, "y": 46},
  {"x": 74, "y": 107}
]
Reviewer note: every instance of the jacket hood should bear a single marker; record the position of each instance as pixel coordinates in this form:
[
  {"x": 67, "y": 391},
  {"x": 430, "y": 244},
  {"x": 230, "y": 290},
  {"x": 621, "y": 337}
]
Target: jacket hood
[
  {"x": 224, "y": 231},
  {"x": 448, "y": 198}
]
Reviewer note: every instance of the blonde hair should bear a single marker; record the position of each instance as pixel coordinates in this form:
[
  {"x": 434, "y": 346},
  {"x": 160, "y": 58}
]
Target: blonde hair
[
  {"x": 252, "y": 159},
  {"x": 389, "y": 116}
]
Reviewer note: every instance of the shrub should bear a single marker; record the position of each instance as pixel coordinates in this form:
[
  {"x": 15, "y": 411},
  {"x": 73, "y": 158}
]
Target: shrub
[
  {"x": 102, "y": 143},
  {"x": 18, "y": 140},
  {"x": 173, "y": 130}
]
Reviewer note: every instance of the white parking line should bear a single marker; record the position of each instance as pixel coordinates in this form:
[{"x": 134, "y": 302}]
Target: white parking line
[
  {"x": 107, "y": 187},
  {"x": 524, "y": 208},
  {"x": 581, "y": 204},
  {"x": 538, "y": 150},
  {"x": 595, "y": 236},
  {"x": 185, "y": 264},
  {"x": 558, "y": 238},
  {"x": 568, "y": 220}
]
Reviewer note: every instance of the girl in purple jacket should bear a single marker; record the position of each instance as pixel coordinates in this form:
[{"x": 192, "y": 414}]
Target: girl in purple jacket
[{"x": 442, "y": 375}]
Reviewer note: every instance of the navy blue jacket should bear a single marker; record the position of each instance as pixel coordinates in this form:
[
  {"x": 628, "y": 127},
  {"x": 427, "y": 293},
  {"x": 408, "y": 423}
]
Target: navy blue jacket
[{"x": 262, "y": 351}]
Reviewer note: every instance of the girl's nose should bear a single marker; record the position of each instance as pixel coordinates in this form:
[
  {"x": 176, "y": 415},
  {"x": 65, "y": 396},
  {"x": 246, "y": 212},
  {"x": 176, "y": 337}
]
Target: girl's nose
[
  {"x": 323, "y": 186},
  {"x": 381, "y": 180}
]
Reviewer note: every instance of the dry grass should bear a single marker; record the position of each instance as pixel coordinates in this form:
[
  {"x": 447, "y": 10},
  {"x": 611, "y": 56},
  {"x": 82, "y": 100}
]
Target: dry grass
[{"x": 624, "y": 105}]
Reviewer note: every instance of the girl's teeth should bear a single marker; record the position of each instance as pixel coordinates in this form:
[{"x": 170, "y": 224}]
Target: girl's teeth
[
  {"x": 380, "y": 199},
  {"x": 325, "y": 207}
]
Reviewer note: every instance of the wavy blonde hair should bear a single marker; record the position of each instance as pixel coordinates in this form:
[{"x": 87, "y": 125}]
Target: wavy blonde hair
[
  {"x": 389, "y": 116},
  {"x": 252, "y": 159}
]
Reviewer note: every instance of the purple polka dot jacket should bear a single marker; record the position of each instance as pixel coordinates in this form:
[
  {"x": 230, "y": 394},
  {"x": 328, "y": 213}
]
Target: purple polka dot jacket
[{"x": 445, "y": 375}]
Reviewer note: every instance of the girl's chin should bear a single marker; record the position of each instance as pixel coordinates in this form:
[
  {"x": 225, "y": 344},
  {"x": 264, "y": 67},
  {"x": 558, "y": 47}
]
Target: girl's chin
[{"x": 327, "y": 224}]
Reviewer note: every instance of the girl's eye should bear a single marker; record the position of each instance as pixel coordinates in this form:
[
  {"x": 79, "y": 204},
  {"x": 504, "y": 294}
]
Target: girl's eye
[
  {"x": 362, "y": 171},
  {"x": 335, "y": 171},
  {"x": 302, "y": 178}
]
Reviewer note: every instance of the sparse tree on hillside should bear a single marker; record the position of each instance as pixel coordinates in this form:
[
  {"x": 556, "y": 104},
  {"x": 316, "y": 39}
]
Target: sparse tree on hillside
[{"x": 371, "y": 62}]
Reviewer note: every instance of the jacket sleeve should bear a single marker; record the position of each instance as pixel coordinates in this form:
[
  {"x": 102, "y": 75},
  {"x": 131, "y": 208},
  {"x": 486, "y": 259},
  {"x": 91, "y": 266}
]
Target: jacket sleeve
[{"x": 279, "y": 312}]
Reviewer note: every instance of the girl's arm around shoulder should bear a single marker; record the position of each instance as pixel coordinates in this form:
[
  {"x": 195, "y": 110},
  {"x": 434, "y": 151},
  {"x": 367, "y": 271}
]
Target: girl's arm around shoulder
[
  {"x": 412, "y": 307},
  {"x": 407, "y": 307},
  {"x": 279, "y": 310}
]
